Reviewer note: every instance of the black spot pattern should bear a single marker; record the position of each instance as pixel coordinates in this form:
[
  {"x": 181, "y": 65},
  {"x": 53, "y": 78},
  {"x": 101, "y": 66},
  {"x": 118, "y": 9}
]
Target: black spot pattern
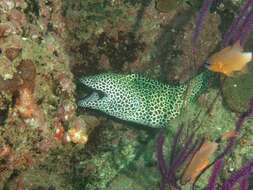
[{"x": 139, "y": 99}]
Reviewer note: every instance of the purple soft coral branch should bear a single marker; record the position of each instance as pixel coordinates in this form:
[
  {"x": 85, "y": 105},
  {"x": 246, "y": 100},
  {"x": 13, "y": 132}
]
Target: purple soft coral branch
[
  {"x": 175, "y": 141},
  {"x": 235, "y": 27},
  {"x": 160, "y": 156},
  {"x": 187, "y": 152},
  {"x": 237, "y": 176},
  {"x": 244, "y": 184},
  {"x": 245, "y": 116},
  {"x": 200, "y": 19},
  {"x": 215, "y": 174},
  {"x": 180, "y": 159},
  {"x": 168, "y": 173},
  {"x": 245, "y": 29},
  {"x": 183, "y": 152}
]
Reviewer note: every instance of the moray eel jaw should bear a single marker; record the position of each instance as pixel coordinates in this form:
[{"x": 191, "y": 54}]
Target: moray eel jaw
[
  {"x": 90, "y": 100},
  {"x": 101, "y": 96},
  {"x": 97, "y": 100}
]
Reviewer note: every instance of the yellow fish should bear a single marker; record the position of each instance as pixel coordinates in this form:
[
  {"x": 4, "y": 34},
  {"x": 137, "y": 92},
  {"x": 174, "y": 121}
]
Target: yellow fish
[
  {"x": 229, "y": 60},
  {"x": 199, "y": 161}
]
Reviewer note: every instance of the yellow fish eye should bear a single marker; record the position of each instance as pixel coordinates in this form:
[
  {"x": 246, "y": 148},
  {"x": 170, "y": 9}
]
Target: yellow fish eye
[{"x": 207, "y": 64}]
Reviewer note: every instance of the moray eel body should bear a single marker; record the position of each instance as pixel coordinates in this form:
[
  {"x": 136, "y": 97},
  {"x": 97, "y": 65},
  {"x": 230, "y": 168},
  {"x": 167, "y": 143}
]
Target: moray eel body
[{"x": 138, "y": 99}]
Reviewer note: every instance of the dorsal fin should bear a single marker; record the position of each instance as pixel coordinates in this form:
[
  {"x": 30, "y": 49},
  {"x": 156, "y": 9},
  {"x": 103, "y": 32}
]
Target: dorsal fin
[
  {"x": 143, "y": 81},
  {"x": 238, "y": 46}
]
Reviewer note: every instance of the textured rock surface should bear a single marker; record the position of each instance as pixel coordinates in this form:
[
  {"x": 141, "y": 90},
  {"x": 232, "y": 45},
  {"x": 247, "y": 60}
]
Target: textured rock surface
[{"x": 237, "y": 91}]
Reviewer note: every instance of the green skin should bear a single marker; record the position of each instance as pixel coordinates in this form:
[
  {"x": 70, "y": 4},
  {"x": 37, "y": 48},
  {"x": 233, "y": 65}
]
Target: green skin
[{"x": 138, "y": 99}]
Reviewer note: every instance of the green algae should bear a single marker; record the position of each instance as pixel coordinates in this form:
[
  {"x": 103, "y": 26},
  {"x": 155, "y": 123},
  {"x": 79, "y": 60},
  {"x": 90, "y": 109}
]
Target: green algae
[
  {"x": 166, "y": 5},
  {"x": 115, "y": 156}
]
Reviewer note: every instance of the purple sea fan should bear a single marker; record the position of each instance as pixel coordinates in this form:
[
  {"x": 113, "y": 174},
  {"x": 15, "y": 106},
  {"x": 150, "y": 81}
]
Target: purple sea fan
[
  {"x": 177, "y": 158},
  {"x": 244, "y": 184},
  {"x": 215, "y": 174},
  {"x": 241, "y": 174},
  {"x": 245, "y": 171},
  {"x": 201, "y": 19},
  {"x": 245, "y": 30},
  {"x": 243, "y": 22},
  {"x": 160, "y": 156}
]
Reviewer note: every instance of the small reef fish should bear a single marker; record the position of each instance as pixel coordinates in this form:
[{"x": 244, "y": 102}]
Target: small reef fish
[
  {"x": 201, "y": 158},
  {"x": 229, "y": 134},
  {"x": 199, "y": 161},
  {"x": 229, "y": 60}
]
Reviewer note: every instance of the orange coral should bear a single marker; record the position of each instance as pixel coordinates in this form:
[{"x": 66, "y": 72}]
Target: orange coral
[
  {"x": 59, "y": 132},
  {"x": 77, "y": 135},
  {"x": 24, "y": 78},
  {"x": 6, "y": 29},
  {"x": 26, "y": 104},
  {"x": 17, "y": 17},
  {"x": 5, "y": 151}
]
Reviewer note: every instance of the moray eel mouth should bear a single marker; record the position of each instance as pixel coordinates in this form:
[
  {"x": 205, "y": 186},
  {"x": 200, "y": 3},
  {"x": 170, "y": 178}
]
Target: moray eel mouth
[
  {"x": 92, "y": 96},
  {"x": 93, "y": 93}
]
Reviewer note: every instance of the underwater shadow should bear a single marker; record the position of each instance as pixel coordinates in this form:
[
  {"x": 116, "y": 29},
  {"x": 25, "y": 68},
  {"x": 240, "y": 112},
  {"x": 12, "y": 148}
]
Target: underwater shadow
[
  {"x": 139, "y": 16},
  {"x": 166, "y": 39}
]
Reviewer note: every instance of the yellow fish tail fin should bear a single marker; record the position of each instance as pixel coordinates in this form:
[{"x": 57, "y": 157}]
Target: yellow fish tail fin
[{"x": 247, "y": 56}]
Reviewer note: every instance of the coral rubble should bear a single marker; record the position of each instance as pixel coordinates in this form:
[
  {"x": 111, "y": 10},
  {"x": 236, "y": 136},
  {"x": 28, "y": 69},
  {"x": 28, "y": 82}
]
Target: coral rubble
[{"x": 37, "y": 93}]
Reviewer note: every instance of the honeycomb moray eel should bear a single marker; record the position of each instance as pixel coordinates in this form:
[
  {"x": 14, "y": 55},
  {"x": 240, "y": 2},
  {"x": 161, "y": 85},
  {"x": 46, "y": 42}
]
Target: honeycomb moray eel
[{"x": 138, "y": 99}]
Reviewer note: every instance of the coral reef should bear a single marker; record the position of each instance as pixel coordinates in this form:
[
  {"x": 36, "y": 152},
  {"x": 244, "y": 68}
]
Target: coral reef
[
  {"x": 165, "y": 54},
  {"x": 37, "y": 95},
  {"x": 46, "y": 45}
]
